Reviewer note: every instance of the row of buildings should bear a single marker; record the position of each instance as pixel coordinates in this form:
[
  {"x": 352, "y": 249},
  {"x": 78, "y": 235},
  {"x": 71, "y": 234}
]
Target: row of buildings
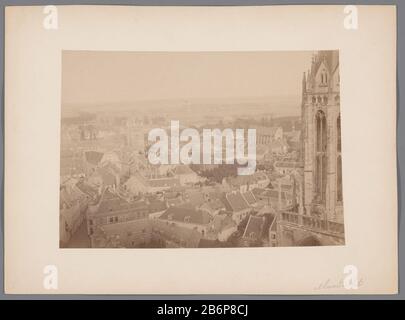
[{"x": 113, "y": 194}]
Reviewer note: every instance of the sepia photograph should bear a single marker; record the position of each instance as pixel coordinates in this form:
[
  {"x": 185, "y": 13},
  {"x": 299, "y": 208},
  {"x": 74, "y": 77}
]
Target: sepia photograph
[{"x": 200, "y": 149}]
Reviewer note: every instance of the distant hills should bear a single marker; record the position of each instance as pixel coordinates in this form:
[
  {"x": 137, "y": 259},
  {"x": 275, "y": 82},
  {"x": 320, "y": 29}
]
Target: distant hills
[{"x": 276, "y": 106}]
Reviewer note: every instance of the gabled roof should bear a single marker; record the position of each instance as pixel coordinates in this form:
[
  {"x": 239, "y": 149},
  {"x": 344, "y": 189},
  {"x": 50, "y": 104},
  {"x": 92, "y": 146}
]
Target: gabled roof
[
  {"x": 85, "y": 188},
  {"x": 235, "y": 202},
  {"x": 254, "y": 227},
  {"x": 271, "y": 193},
  {"x": 112, "y": 203},
  {"x": 330, "y": 58},
  {"x": 249, "y": 197},
  {"x": 180, "y": 214}
]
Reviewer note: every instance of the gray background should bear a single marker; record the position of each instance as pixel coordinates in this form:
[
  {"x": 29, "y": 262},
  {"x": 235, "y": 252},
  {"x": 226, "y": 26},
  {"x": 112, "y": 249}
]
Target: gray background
[{"x": 400, "y": 146}]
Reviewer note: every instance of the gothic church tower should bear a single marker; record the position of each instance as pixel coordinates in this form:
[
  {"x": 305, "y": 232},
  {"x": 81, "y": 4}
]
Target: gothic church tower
[{"x": 321, "y": 138}]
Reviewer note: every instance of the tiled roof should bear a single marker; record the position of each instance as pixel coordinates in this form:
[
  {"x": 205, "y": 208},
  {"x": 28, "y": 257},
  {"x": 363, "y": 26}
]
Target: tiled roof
[
  {"x": 249, "y": 197},
  {"x": 111, "y": 203},
  {"x": 269, "y": 218},
  {"x": 85, "y": 188},
  {"x": 186, "y": 215},
  {"x": 271, "y": 193},
  {"x": 254, "y": 227},
  {"x": 243, "y": 180},
  {"x": 235, "y": 202}
]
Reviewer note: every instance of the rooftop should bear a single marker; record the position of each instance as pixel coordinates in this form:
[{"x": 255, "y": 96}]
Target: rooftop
[
  {"x": 234, "y": 201},
  {"x": 254, "y": 227},
  {"x": 189, "y": 215}
]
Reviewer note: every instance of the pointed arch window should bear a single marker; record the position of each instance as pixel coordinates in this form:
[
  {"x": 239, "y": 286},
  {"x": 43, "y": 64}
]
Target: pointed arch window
[
  {"x": 320, "y": 120},
  {"x": 338, "y": 132},
  {"x": 339, "y": 191},
  {"x": 324, "y": 77},
  {"x": 339, "y": 185},
  {"x": 321, "y": 157}
]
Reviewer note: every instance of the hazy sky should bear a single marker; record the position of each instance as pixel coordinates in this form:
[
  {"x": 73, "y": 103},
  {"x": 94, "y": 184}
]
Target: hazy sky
[{"x": 92, "y": 77}]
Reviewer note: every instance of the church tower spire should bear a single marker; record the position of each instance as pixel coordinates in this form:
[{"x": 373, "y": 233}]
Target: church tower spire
[{"x": 320, "y": 136}]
